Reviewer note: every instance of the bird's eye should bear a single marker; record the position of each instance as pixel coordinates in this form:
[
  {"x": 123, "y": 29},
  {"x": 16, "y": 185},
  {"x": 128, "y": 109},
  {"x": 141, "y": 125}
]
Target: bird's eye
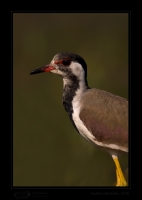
[{"x": 66, "y": 62}]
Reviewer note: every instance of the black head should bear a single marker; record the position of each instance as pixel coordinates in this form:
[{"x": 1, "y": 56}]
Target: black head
[
  {"x": 67, "y": 65},
  {"x": 65, "y": 59}
]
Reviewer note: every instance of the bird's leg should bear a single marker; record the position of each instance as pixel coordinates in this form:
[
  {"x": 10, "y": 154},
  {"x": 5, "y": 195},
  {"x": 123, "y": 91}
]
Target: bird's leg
[
  {"x": 118, "y": 178},
  {"x": 119, "y": 174}
]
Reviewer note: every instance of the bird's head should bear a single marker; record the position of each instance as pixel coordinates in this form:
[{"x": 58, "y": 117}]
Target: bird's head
[{"x": 66, "y": 65}]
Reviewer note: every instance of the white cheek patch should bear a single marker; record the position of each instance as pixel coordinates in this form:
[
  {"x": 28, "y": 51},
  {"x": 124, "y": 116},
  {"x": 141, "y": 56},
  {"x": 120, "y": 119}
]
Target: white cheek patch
[
  {"x": 56, "y": 71},
  {"x": 76, "y": 69}
]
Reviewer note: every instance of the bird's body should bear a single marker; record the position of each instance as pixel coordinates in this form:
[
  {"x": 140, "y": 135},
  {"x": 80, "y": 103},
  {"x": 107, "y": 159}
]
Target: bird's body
[
  {"x": 99, "y": 116},
  {"x": 102, "y": 121}
]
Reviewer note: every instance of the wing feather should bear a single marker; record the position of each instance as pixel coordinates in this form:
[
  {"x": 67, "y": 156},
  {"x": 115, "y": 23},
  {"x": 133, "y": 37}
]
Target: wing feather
[{"x": 105, "y": 116}]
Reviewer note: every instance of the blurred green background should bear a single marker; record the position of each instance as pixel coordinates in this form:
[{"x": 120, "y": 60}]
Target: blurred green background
[{"x": 47, "y": 150}]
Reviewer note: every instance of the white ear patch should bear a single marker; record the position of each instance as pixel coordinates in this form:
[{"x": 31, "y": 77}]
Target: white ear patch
[{"x": 77, "y": 69}]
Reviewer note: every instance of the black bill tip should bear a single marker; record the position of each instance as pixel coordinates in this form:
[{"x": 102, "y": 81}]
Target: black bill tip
[{"x": 36, "y": 71}]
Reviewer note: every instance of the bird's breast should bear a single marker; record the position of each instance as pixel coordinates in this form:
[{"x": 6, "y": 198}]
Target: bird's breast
[{"x": 78, "y": 122}]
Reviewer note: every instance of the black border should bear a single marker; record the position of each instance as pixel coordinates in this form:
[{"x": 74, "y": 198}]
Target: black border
[{"x": 51, "y": 192}]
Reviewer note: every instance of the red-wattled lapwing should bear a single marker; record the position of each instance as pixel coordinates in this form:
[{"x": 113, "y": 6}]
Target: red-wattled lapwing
[{"x": 99, "y": 116}]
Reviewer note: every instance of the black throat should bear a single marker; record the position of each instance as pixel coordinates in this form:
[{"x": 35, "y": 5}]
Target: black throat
[
  {"x": 69, "y": 91},
  {"x": 71, "y": 86}
]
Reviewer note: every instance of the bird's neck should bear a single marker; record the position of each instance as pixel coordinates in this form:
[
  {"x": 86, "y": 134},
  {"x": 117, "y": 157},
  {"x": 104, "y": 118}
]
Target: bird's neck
[{"x": 73, "y": 89}]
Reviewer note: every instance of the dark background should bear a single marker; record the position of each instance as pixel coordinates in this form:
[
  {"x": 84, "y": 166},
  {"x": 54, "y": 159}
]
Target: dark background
[{"x": 47, "y": 150}]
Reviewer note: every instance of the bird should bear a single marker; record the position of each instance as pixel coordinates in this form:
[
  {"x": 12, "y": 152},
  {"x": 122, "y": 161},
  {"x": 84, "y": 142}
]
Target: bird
[{"x": 99, "y": 116}]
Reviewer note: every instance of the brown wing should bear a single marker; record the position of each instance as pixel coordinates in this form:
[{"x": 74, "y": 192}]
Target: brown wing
[{"x": 105, "y": 116}]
